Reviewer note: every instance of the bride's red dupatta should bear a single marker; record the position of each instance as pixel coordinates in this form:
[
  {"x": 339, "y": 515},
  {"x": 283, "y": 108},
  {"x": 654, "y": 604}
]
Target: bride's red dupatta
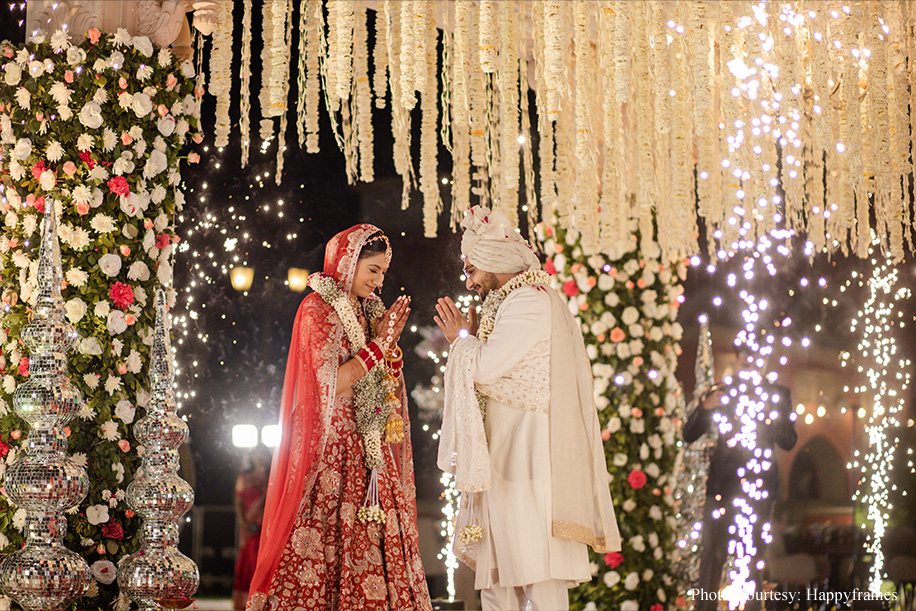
[{"x": 309, "y": 393}]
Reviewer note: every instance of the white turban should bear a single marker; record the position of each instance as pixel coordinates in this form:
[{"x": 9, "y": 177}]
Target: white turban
[{"x": 491, "y": 244}]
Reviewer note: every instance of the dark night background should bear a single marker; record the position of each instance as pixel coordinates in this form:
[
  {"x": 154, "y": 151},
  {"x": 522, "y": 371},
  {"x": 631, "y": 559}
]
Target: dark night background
[{"x": 236, "y": 376}]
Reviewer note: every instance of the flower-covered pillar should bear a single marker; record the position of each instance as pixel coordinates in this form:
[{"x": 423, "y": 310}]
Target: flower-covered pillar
[
  {"x": 99, "y": 127},
  {"x": 627, "y": 302}
]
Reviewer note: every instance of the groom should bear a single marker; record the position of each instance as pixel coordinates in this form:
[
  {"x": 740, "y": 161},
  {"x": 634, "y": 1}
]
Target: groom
[{"x": 520, "y": 431}]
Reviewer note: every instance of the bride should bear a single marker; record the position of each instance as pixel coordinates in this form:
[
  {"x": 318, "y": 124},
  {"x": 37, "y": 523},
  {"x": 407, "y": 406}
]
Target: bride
[{"x": 340, "y": 529}]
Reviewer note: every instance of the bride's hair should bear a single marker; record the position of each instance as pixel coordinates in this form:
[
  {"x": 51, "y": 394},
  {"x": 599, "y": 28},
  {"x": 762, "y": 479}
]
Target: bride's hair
[{"x": 375, "y": 244}]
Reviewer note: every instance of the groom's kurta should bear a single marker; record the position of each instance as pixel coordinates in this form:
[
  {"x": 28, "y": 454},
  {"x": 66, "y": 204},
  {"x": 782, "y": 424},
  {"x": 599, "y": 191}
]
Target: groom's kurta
[{"x": 509, "y": 469}]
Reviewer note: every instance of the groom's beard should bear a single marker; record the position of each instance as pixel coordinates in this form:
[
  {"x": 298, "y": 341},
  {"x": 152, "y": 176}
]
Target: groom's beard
[{"x": 488, "y": 283}]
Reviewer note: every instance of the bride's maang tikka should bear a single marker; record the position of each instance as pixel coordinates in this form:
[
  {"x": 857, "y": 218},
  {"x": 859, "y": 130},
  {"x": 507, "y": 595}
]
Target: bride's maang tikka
[{"x": 383, "y": 238}]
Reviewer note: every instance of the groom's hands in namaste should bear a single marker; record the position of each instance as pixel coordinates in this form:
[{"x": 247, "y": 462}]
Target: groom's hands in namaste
[{"x": 452, "y": 322}]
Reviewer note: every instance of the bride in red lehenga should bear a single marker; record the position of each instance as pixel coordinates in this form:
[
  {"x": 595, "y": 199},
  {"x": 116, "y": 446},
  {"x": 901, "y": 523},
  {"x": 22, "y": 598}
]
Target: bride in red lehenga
[{"x": 340, "y": 522}]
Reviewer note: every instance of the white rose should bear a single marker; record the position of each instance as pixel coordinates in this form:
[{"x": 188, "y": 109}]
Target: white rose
[
  {"x": 613, "y": 425},
  {"x": 142, "y": 397},
  {"x": 91, "y": 115},
  {"x": 116, "y": 322},
  {"x": 104, "y": 570},
  {"x": 166, "y": 125},
  {"x": 13, "y": 74},
  {"x": 630, "y": 584},
  {"x": 611, "y": 578},
  {"x": 637, "y": 543},
  {"x": 187, "y": 69},
  {"x": 629, "y": 505},
  {"x": 138, "y": 271},
  {"x": 156, "y": 163},
  {"x": 142, "y": 104},
  {"x": 19, "y": 518},
  {"x": 110, "y": 264},
  {"x": 90, "y": 346},
  {"x": 47, "y": 180},
  {"x": 75, "y": 56},
  {"x": 125, "y": 411},
  {"x": 143, "y": 45},
  {"x": 76, "y": 309},
  {"x": 134, "y": 363},
  {"x": 97, "y": 514},
  {"x": 23, "y": 149},
  {"x": 630, "y": 315},
  {"x": 116, "y": 60},
  {"x": 655, "y": 513},
  {"x": 620, "y": 459},
  {"x": 629, "y": 605},
  {"x": 164, "y": 273}
]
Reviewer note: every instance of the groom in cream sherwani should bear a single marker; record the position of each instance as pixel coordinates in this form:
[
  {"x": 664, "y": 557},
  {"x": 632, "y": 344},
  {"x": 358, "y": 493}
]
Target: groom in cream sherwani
[{"x": 520, "y": 431}]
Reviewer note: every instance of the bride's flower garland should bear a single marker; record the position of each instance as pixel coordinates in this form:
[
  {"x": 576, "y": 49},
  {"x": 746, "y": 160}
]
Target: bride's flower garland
[{"x": 373, "y": 393}]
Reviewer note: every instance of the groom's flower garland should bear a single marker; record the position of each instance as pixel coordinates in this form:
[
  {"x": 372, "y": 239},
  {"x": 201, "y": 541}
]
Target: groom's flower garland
[
  {"x": 370, "y": 391},
  {"x": 473, "y": 532}
]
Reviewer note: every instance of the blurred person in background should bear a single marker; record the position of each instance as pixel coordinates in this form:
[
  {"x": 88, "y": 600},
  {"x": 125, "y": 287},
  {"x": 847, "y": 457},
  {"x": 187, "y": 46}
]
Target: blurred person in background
[{"x": 250, "y": 493}]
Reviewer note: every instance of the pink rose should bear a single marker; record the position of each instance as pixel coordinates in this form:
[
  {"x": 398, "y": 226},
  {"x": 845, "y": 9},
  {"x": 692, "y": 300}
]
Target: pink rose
[
  {"x": 24, "y": 366},
  {"x": 82, "y": 208},
  {"x": 122, "y": 83},
  {"x": 162, "y": 110},
  {"x": 16, "y": 434},
  {"x": 197, "y": 138},
  {"x": 549, "y": 267},
  {"x": 94, "y": 34},
  {"x": 617, "y": 335},
  {"x": 636, "y": 479},
  {"x": 38, "y": 169},
  {"x": 162, "y": 240},
  {"x": 613, "y": 559},
  {"x": 171, "y": 81},
  {"x": 68, "y": 76},
  {"x": 69, "y": 168},
  {"x": 7, "y": 52},
  {"x": 571, "y": 288},
  {"x": 125, "y": 250},
  {"x": 126, "y": 139},
  {"x": 122, "y": 369},
  {"x": 605, "y": 435},
  {"x": 193, "y": 158},
  {"x": 147, "y": 223},
  {"x": 118, "y": 185},
  {"x": 636, "y": 412},
  {"x": 130, "y": 319}
]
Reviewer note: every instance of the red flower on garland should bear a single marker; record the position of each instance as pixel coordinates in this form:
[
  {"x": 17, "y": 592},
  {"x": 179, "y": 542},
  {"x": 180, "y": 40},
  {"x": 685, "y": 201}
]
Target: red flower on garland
[
  {"x": 24, "y": 366},
  {"x": 636, "y": 479},
  {"x": 571, "y": 288},
  {"x": 550, "y": 268},
  {"x": 113, "y": 530},
  {"x": 87, "y": 159},
  {"x": 121, "y": 294},
  {"x": 657, "y": 607},
  {"x": 118, "y": 185},
  {"x": 162, "y": 240},
  {"x": 4, "y": 449},
  {"x": 40, "y": 204},
  {"x": 38, "y": 168},
  {"x": 613, "y": 560}
]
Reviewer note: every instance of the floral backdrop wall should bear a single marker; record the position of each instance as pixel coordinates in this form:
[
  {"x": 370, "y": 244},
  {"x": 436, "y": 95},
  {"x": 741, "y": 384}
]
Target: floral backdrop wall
[
  {"x": 627, "y": 302},
  {"x": 98, "y": 125}
]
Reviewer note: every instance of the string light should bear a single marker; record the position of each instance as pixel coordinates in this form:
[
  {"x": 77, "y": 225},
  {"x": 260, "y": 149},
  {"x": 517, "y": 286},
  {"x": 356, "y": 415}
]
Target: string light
[{"x": 886, "y": 380}]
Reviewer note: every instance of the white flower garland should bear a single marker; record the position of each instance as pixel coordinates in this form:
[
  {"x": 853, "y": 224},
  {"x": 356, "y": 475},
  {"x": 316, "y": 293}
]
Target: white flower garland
[
  {"x": 429, "y": 144},
  {"x": 460, "y": 109},
  {"x": 507, "y": 75},
  {"x": 245, "y": 100},
  {"x": 363, "y": 107},
  {"x": 370, "y": 389},
  {"x": 496, "y": 297},
  {"x": 220, "y": 73},
  {"x": 380, "y": 55}
]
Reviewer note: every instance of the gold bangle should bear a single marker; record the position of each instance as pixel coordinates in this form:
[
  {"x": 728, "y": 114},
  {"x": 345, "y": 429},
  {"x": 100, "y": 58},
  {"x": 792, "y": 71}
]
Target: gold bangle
[{"x": 395, "y": 355}]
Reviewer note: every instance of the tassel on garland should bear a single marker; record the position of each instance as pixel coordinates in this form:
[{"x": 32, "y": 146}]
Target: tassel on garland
[
  {"x": 371, "y": 511},
  {"x": 394, "y": 427}
]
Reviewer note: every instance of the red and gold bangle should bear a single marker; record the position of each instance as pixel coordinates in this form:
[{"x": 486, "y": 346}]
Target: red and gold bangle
[
  {"x": 371, "y": 355},
  {"x": 395, "y": 358}
]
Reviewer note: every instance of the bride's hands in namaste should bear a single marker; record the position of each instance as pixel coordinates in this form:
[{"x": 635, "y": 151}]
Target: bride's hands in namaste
[
  {"x": 389, "y": 326},
  {"x": 452, "y": 322}
]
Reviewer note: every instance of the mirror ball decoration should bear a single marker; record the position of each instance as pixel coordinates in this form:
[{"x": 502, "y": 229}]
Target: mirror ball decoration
[
  {"x": 694, "y": 468},
  {"x": 44, "y": 575},
  {"x": 158, "y": 575}
]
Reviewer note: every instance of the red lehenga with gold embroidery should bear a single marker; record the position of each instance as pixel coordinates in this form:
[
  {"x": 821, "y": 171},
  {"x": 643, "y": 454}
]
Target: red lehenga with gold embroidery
[{"x": 315, "y": 553}]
